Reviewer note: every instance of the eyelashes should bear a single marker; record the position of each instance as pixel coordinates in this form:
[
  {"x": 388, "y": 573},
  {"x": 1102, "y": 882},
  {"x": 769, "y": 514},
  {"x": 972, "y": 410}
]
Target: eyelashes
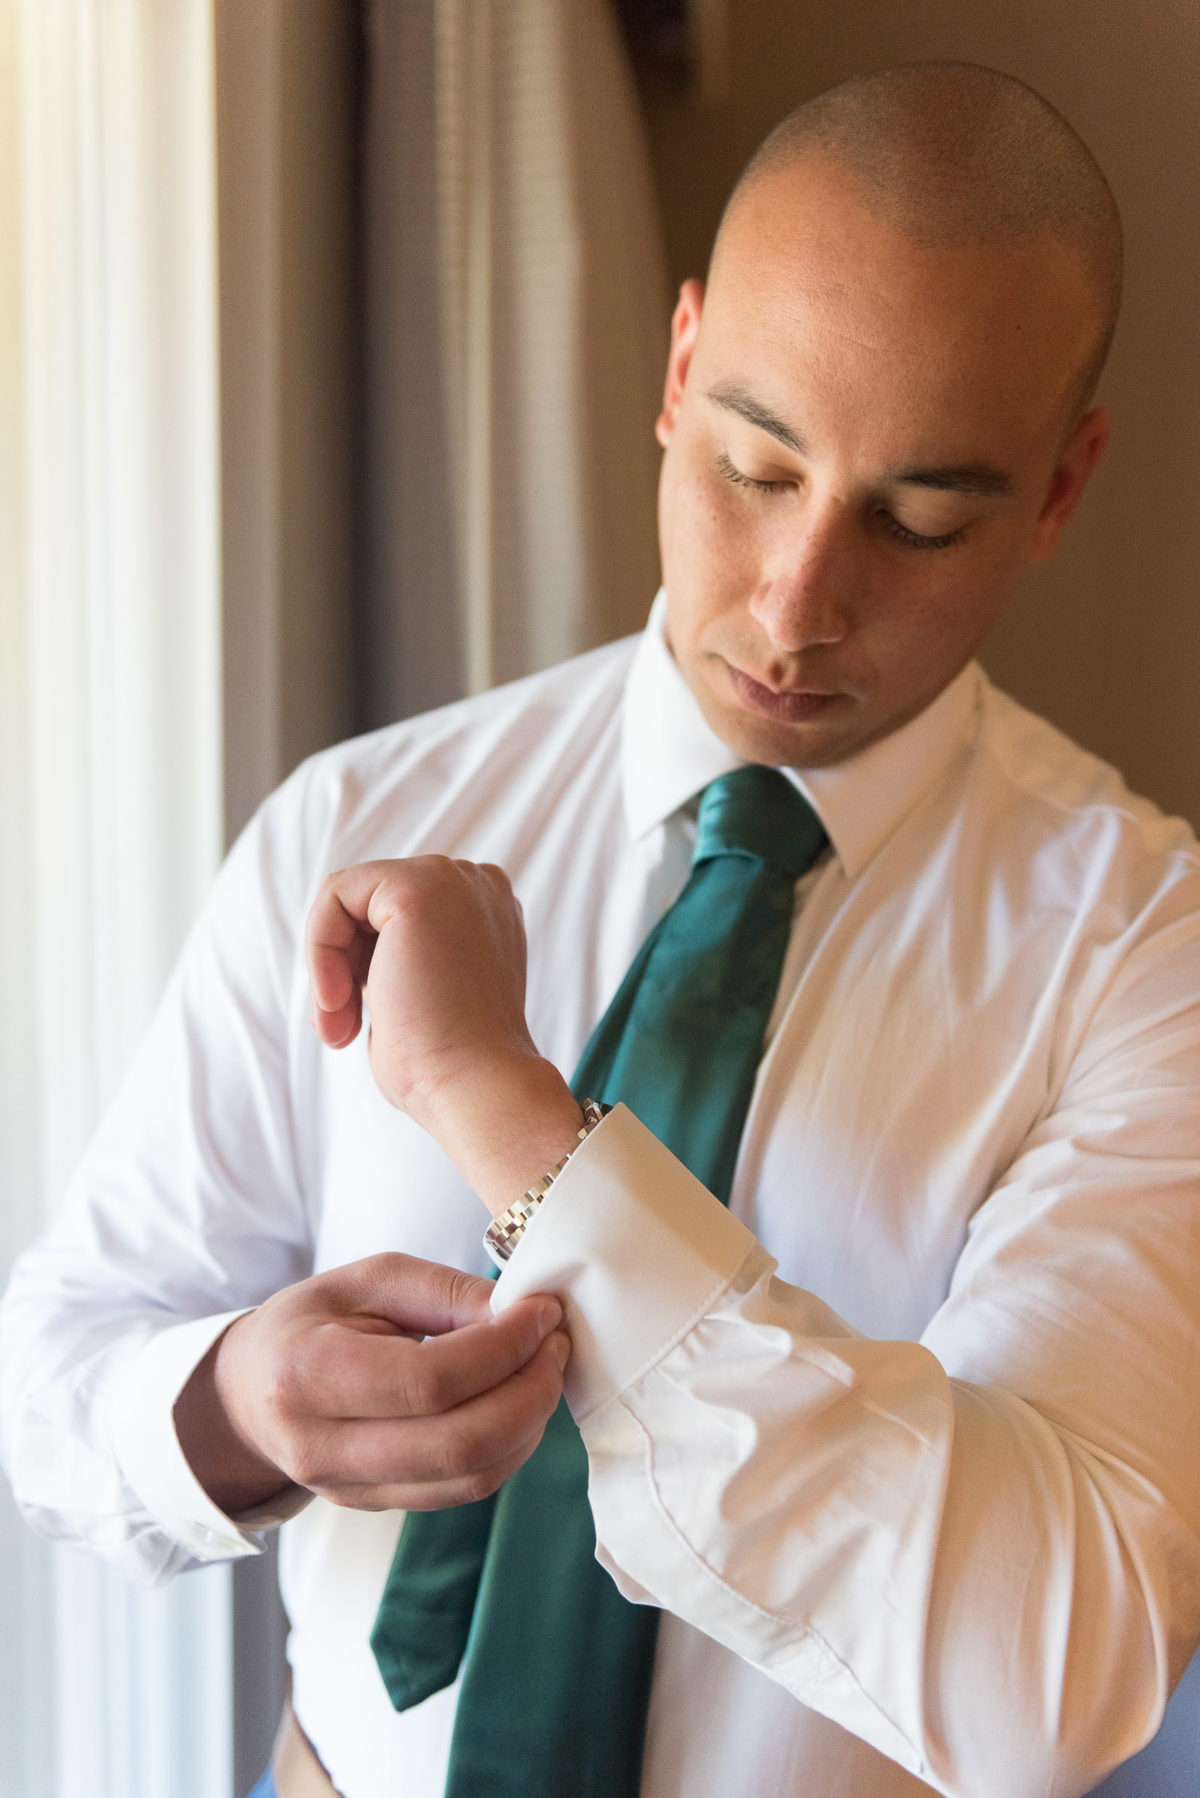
[
  {"x": 900, "y": 532},
  {"x": 744, "y": 480},
  {"x": 914, "y": 539}
]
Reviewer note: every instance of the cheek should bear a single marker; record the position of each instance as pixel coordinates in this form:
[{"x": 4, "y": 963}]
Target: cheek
[
  {"x": 690, "y": 516},
  {"x": 705, "y": 533},
  {"x": 703, "y": 568},
  {"x": 931, "y": 630}
]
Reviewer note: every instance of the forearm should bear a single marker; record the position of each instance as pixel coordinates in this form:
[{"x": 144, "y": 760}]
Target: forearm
[{"x": 504, "y": 1125}]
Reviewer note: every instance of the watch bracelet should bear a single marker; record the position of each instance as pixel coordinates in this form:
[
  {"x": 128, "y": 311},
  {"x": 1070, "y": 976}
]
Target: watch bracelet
[{"x": 505, "y": 1232}]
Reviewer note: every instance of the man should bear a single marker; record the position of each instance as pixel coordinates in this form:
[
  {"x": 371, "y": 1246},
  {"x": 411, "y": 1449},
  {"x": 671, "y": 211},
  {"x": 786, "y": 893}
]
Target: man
[{"x": 923, "y": 1511}]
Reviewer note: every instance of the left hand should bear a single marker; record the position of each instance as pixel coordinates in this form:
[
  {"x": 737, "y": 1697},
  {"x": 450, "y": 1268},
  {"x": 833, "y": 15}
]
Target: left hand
[{"x": 438, "y": 947}]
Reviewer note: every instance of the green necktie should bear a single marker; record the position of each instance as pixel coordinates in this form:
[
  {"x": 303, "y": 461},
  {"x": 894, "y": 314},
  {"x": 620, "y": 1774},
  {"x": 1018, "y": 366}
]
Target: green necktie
[{"x": 556, "y": 1664}]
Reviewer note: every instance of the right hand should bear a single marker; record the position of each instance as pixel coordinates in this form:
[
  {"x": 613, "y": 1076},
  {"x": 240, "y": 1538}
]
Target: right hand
[{"x": 387, "y": 1384}]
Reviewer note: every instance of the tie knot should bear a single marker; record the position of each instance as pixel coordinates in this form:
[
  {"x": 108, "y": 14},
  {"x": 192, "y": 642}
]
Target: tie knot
[{"x": 757, "y": 811}]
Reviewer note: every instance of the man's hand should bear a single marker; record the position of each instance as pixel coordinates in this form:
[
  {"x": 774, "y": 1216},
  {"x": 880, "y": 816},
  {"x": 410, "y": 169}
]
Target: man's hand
[
  {"x": 328, "y": 1384},
  {"x": 439, "y": 948}
]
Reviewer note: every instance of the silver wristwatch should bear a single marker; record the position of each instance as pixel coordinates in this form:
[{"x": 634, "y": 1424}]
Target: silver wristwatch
[{"x": 505, "y": 1232}]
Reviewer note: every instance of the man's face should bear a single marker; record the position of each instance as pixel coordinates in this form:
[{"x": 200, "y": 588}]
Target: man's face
[{"x": 864, "y": 444}]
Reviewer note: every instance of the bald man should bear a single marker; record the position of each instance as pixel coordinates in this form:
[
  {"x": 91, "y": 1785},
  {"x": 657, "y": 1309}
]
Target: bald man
[{"x": 903, "y": 1443}]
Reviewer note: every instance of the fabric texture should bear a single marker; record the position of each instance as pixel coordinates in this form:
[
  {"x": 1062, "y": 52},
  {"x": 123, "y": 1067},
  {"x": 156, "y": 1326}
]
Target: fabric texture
[
  {"x": 518, "y": 310},
  {"x": 680, "y": 1042},
  {"x": 922, "y": 1355}
]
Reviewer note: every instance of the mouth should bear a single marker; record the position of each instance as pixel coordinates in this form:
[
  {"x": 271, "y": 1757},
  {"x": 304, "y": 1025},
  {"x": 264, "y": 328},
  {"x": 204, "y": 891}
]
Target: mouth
[{"x": 791, "y": 705}]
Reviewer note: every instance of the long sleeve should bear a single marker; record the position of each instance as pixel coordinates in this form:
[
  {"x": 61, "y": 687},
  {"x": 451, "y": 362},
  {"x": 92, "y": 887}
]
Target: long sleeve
[
  {"x": 979, "y": 1552},
  {"x": 185, "y": 1210},
  {"x": 239, "y": 1156}
]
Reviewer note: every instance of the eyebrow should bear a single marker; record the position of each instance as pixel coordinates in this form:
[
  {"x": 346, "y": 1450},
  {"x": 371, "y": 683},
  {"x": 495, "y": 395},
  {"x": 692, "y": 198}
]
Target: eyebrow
[
  {"x": 975, "y": 479},
  {"x": 736, "y": 399}
]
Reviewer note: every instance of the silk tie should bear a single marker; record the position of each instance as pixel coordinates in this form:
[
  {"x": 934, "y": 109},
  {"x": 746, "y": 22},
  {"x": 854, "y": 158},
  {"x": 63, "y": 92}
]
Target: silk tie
[{"x": 556, "y": 1665}]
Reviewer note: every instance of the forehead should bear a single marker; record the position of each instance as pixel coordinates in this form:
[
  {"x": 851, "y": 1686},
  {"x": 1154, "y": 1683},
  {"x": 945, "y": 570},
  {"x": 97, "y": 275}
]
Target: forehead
[{"x": 817, "y": 302}]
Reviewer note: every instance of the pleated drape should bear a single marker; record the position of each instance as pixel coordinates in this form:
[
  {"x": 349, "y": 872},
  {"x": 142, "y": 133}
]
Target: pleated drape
[{"x": 517, "y": 316}]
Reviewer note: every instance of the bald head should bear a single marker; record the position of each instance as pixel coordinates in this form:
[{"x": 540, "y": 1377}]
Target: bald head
[{"x": 953, "y": 154}]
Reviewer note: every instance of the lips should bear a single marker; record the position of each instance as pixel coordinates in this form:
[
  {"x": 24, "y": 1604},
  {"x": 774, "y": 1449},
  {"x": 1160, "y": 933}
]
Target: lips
[{"x": 791, "y": 705}]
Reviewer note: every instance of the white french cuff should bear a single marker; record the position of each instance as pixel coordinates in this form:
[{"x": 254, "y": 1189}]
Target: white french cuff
[
  {"x": 153, "y": 1462},
  {"x": 635, "y": 1248}
]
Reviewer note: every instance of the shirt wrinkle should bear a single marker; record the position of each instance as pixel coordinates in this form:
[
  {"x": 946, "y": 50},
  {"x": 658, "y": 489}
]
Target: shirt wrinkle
[{"x": 909, "y": 1159}]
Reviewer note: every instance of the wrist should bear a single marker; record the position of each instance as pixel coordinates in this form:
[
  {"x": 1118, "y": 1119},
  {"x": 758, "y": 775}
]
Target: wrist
[
  {"x": 506, "y": 1126},
  {"x": 234, "y": 1474},
  {"x": 505, "y": 1231}
]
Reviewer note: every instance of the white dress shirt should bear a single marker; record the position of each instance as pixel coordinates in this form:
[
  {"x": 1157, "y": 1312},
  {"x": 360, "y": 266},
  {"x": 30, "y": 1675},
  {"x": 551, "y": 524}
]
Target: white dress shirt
[{"x": 924, "y": 1507}]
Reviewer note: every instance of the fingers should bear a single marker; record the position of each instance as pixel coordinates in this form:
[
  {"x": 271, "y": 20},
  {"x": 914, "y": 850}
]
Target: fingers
[
  {"x": 426, "y": 1463},
  {"x": 334, "y": 953},
  {"x": 467, "y": 1490},
  {"x": 350, "y": 909},
  {"x": 421, "y": 1297},
  {"x": 351, "y": 1373},
  {"x": 347, "y": 914}
]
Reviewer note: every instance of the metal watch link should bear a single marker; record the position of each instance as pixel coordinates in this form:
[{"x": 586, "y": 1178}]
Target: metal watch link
[{"x": 505, "y": 1232}]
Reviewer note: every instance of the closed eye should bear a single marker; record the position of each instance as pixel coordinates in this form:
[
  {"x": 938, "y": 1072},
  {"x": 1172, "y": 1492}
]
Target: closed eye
[
  {"x": 901, "y": 532},
  {"x": 914, "y": 539},
  {"x": 746, "y": 480}
]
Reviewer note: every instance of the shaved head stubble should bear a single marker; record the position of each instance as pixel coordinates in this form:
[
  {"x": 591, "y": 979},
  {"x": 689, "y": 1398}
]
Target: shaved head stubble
[{"x": 955, "y": 154}]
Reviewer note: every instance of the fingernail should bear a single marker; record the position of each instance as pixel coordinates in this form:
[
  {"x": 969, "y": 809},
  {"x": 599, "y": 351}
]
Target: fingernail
[
  {"x": 562, "y": 1350},
  {"x": 549, "y": 1317}
]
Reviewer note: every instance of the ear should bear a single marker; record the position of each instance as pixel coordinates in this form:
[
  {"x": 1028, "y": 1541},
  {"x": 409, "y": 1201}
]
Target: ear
[
  {"x": 685, "y": 324},
  {"x": 1083, "y": 450}
]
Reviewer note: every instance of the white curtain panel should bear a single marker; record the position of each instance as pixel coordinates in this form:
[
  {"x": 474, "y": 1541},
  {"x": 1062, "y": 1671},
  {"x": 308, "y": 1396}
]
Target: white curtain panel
[
  {"x": 517, "y": 328},
  {"x": 111, "y": 776}
]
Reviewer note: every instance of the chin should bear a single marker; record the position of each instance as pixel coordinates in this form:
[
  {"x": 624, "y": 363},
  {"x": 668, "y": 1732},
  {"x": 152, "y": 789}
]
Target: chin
[{"x": 815, "y": 745}]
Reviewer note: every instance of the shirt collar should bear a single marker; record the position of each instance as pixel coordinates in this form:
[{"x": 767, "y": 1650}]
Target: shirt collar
[{"x": 668, "y": 753}]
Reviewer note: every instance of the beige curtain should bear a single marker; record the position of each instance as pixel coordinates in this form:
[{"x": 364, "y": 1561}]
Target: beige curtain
[
  {"x": 517, "y": 315},
  {"x": 110, "y": 764}
]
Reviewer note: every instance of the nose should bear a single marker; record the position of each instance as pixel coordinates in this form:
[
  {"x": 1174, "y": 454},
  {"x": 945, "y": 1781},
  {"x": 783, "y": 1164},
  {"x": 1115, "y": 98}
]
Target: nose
[{"x": 801, "y": 600}]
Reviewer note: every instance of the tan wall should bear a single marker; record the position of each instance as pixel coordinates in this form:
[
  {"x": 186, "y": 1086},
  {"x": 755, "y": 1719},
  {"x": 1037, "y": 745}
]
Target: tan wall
[{"x": 1106, "y": 640}]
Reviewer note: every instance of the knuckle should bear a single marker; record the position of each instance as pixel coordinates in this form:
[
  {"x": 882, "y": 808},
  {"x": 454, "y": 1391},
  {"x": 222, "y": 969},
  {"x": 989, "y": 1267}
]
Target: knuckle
[
  {"x": 307, "y": 1464},
  {"x": 386, "y": 1269},
  {"x": 455, "y": 1453},
  {"x": 423, "y": 1384},
  {"x": 327, "y": 892},
  {"x": 302, "y": 1467},
  {"x": 472, "y": 1446},
  {"x": 287, "y": 1392},
  {"x": 465, "y": 1290},
  {"x": 422, "y": 870},
  {"x": 422, "y": 1390},
  {"x": 482, "y": 1484}
]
